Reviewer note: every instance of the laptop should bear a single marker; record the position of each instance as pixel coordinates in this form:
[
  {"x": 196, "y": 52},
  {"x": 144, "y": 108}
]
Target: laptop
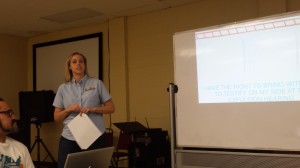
[{"x": 98, "y": 158}]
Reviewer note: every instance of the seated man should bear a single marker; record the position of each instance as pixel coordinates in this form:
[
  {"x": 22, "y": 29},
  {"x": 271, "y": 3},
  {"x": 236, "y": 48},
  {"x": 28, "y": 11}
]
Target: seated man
[{"x": 12, "y": 152}]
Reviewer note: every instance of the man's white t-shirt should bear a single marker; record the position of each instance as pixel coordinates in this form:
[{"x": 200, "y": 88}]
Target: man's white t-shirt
[{"x": 14, "y": 154}]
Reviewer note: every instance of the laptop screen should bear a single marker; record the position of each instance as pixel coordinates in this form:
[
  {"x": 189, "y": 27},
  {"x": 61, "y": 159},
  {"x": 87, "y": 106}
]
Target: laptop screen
[{"x": 98, "y": 158}]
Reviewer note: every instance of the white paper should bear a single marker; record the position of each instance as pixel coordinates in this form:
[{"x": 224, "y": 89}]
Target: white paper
[{"x": 84, "y": 130}]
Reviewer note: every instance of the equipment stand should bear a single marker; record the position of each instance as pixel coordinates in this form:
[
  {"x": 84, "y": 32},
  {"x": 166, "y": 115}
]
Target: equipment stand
[{"x": 37, "y": 142}]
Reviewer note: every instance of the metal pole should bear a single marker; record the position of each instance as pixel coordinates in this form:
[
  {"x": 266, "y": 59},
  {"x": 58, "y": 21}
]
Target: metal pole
[{"x": 172, "y": 90}]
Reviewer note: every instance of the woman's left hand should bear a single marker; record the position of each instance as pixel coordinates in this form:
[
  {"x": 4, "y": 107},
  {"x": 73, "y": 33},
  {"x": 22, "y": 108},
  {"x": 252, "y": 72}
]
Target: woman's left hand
[{"x": 85, "y": 110}]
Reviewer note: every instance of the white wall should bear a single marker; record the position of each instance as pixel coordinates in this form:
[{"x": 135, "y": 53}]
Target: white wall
[{"x": 13, "y": 69}]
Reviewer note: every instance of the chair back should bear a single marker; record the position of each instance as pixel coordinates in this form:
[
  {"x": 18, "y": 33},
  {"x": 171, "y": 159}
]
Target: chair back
[
  {"x": 124, "y": 140},
  {"x": 109, "y": 137}
]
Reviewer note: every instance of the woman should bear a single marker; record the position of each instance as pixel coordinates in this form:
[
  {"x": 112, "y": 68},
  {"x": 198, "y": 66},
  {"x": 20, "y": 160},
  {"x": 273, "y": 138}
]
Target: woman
[{"x": 80, "y": 94}]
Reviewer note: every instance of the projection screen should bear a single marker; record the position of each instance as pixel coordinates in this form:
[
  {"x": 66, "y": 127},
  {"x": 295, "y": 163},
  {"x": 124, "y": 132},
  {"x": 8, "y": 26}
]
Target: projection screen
[
  {"x": 239, "y": 85},
  {"x": 49, "y": 59}
]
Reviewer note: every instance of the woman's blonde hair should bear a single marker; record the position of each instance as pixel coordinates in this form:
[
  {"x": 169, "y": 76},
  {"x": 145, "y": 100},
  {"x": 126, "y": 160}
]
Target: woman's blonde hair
[{"x": 68, "y": 72}]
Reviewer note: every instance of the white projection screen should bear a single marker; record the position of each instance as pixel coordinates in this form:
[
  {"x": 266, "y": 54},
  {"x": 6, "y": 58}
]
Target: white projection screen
[
  {"x": 49, "y": 59},
  {"x": 239, "y": 85}
]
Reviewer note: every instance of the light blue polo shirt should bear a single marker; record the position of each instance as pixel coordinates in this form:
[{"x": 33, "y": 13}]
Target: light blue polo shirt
[{"x": 89, "y": 92}]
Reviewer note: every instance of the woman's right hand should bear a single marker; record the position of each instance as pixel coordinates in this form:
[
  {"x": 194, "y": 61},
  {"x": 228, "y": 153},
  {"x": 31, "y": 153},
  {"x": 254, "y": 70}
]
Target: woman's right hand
[
  {"x": 60, "y": 114},
  {"x": 74, "y": 107}
]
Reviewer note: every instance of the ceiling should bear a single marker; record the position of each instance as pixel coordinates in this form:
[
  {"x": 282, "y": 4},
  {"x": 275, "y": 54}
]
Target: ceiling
[{"x": 28, "y": 18}]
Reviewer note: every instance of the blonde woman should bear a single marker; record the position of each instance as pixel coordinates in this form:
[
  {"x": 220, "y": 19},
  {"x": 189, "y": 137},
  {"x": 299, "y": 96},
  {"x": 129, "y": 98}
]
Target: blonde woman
[{"x": 80, "y": 94}]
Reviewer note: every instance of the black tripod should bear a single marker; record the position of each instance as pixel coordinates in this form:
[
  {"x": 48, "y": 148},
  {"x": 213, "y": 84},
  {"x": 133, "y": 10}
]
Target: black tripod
[{"x": 37, "y": 142}]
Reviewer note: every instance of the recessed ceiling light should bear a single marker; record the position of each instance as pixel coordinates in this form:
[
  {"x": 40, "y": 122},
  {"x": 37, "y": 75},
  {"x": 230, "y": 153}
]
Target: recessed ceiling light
[{"x": 73, "y": 15}]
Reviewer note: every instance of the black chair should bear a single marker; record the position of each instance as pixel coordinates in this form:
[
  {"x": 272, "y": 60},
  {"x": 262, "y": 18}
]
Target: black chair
[
  {"x": 109, "y": 137},
  {"x": 121, "y": 152}
]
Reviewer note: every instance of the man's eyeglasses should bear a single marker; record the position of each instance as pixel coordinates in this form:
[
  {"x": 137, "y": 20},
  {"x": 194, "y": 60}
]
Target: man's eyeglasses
[{"x": 8, "y": 112}]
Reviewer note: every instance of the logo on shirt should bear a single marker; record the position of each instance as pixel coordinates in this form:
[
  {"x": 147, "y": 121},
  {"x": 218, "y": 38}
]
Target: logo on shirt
[
  {"x": 89, "y": 88},
  {"x": 8, "y": 162}
]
